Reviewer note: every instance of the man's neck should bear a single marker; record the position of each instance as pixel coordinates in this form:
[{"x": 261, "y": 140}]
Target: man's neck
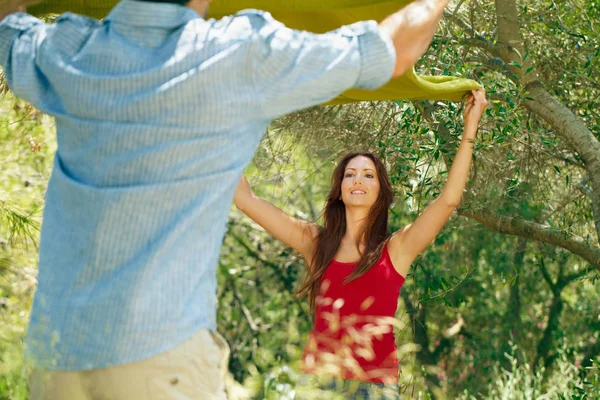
[
  {"x": 9, "y": 7},
  {"x": 200, "y": 6}
]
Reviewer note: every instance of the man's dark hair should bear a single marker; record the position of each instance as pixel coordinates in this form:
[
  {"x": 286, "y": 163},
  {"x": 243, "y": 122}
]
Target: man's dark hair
[{"x": 182, "y": 2}]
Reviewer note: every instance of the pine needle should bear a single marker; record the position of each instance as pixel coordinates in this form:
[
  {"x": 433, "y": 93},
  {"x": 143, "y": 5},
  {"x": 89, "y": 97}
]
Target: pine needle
[{"x": 21, "y": 226}]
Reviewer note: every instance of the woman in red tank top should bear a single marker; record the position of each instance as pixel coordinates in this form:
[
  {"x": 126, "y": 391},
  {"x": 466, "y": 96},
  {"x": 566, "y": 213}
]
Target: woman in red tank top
[{"x": 356, "y": 269}]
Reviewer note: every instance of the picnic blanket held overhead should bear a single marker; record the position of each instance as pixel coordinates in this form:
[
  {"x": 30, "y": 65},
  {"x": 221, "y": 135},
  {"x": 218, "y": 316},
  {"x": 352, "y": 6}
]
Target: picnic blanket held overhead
[{"x": 314, "y": 16}]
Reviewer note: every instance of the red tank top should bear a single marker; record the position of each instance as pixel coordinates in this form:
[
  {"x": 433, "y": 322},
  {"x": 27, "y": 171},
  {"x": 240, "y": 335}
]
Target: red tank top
[{"x": 352, "y": 336}]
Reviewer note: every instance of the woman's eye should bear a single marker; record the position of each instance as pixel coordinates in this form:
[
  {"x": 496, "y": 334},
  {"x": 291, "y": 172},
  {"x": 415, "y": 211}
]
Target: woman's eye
[
  {"x": 369, "y": 176},
  {"x": 348, "y": 175}
]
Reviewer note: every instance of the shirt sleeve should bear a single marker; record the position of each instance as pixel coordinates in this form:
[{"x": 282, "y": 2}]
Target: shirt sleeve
[
  {"x": 297, "y": 69},
  {"x": 20, "y": 38}
]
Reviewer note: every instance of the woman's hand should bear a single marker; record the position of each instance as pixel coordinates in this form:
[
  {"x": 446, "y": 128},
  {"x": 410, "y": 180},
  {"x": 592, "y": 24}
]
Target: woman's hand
[{"x": 474, "y": 108}]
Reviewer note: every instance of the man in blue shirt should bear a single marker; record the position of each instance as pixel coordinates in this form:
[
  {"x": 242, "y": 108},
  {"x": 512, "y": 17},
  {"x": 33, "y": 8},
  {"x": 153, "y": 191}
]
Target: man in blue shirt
[{"x": 158, "y": 111}]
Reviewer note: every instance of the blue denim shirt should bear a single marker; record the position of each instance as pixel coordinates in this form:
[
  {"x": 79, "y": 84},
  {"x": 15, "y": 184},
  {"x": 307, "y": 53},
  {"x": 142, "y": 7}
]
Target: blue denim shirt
[{"x": 158, "y": 111}]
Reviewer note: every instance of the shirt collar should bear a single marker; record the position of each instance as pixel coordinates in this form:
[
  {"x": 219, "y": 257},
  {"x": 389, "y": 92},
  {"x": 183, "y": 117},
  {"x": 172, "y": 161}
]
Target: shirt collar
[{"x": 150, "y": 14}]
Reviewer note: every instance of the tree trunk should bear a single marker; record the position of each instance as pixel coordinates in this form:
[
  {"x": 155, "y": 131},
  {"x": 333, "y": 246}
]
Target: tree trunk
[
  {"x": 546, "y": 344},
  {"x": 421, "y": 337},
  {"x": 512, "y": 318},
  {"x": 567, "y": 124}
]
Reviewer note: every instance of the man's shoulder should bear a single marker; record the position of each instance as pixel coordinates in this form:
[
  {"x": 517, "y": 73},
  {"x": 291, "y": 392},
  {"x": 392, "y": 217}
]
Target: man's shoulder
[
  {"x": 20, "y": 21},
  {"x": 243, "y": 25},
  {"x": 257, "y": 19},
  {"x": 253, "y": 13},
  {"x": 69, "y": 31},
  {"x": 77, "y": 20},
  {"x": 261, "y": 22}
]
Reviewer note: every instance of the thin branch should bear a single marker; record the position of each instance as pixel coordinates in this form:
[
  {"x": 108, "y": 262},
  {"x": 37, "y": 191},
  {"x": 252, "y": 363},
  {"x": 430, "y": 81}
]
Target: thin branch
[
  {"x": 496, "y": 64},
  {"x": 245, "y": 310},
  {"x": 467, "y": 27},
  {"x": 583, "y": 187},
  {"x": 531, "y": 230},
  {"x": 566, "y": 202},
  {"x": 547, "y": 276},
  {"x": 480, "y": 44},
  {"x": 458, "y": 7},
  {"x": 573, "y": 277},
  {"x": 252, "y": 252},
  {"x": 448, "y": 340}
]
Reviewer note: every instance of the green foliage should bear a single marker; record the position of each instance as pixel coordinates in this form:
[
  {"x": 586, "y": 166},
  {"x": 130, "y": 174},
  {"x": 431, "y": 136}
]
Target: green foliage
[
  {"x": 522, "y": 382},
  {"x": 26, "y": 148}
]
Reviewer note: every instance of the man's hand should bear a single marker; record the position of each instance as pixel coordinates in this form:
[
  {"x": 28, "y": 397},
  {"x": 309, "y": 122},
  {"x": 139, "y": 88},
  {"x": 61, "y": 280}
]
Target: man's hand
[{"x": 411, "y": 30}]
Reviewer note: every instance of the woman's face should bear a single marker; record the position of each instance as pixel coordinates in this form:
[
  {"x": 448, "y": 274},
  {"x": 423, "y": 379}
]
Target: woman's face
[{"x": 360, "y": 185}]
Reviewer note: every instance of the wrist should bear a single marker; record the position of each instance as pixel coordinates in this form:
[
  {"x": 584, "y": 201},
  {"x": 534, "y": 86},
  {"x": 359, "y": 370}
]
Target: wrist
[
  {"x": 470, "y": 129},
  {"x": 467, "y": 139}
]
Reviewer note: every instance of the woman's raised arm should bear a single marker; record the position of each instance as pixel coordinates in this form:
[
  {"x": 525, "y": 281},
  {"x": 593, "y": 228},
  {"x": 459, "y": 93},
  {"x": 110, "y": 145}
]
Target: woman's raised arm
[
  {"x": 406, "y": 244},
  {"x": 298, "y": 234}
]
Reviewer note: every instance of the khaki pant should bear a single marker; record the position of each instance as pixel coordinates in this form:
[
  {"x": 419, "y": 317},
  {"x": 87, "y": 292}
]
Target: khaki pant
[{"x": 194, "y": 370}]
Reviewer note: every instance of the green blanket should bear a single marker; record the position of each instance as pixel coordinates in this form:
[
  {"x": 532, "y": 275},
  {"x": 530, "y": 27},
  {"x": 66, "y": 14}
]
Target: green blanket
[{"x": 315, "y": 16}]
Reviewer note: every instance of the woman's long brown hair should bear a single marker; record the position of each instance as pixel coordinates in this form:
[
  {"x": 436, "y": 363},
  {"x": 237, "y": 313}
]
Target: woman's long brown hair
[{"x": 375, "y": 232}]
